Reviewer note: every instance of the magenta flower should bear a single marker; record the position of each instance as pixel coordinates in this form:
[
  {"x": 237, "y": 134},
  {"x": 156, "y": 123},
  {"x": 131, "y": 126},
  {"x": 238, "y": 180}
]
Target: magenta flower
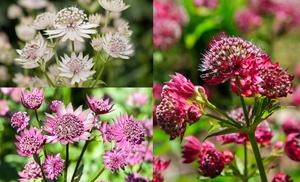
[
  {"x": 157, "y": 90},
  {"x": 54, "y": 104},
  {"x": 281, "y": 177},
  {"x": 68, "y": 126},
  {"x": 137, "y": 155},
  {"x": 160, "y": 164},
  {"x": 32, "y": 100},
  {"x": 148, "y": 127},
  {"x": 290, "y": 125},
  {"x": 292, "y": 146},
  {"x": 29, "y": 142},
  {"x": 191, "y": 149},
  {"x": 99, "y": 106},
  {"x": 127, "y": 132},
  {"x": 211, "y": 163},
  {"x": 228, "y": 156},
  {"x": 106, "y": 131},
  {"x": 3, "y": 107},
  {"x": 247, "y": 20},
  {"x": 115, "y": 159},
  {"x": 31, "y": 171},
  {"x": 182, "y": 86},
  {"x": 226, "y": 59},
  {"x": 19, "y": 120},
  {"x": 53, "y": 166},
  {"x": 137, "y": 99},
  {"x": 135, "y": 177}
]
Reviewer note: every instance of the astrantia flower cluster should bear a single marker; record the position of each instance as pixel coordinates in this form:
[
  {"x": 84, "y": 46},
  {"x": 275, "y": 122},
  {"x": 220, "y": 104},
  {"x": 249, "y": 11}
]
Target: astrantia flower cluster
[
  {"x": 212, "y": 161},
  {"x": 249, "y": 70},
  {"x": 177, "y": 108},
  {"x": 168, "y": 20}
]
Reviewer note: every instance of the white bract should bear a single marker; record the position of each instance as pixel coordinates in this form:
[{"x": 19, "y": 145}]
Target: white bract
[
  {"x": 113, "y": 5},
  {"x": 44, "y": 21}
]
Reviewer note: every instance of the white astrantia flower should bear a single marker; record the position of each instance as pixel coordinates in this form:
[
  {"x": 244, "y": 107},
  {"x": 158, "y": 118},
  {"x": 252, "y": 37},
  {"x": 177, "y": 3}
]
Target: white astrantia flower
[
  {"x": 44, "y": 21},
  {"x": 123, "y": 28},
  {"x": 113, "y": 5},
  {"x": 25, "y": 32},
  {"x": 71, "y": 23},
  {"x": 34, "y": 54},
  {"x": 97, "y": 43},
  {"x": 95, "y": 19},
  {"x": 33, "y": 4},
  {"x": 77, "y": 68},
  {"x": 117, "y": 46}
]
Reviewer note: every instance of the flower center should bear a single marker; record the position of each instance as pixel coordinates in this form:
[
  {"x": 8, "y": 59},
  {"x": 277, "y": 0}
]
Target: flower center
[
  {"x": 30, "y": 144},
  {"x": 70, "y": 17},
  {"x": 30, "y": 52},
  {"x": 76, "y": 65},
  {"x": 68, "y": 127},
  {"x": 133, "y": 132},
  {"x": 117, "y": 44},
  {"x": 33, "y": 101}
]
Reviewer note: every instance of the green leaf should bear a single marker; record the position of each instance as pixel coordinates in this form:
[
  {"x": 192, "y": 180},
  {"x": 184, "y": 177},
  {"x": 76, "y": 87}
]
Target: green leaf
[
  {"x": 222, "y": 132},
  {"x": 78, "y": 174}
]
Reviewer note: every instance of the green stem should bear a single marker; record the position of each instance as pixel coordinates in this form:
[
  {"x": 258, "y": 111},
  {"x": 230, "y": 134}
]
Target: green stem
[
  {"x": 97, "y": 176},
  {"x": 246, "y": 163},
  {"x": 106, "y": 22},
  {"x": 48, "y": 79},
  {"x": 79, "y": 159},
  {"x": 99, "y": 75},
  {"x": 38, "y": 121},
  {"x": 245, "y": 111},
  {"x": 258, "y": 159},
  {"x": 67, "y": 162},
  {"x": 76, "y": 84},
  {"x": 38, "y": 161},
  {"x": 55, "y": 52},
  {"x": 73, "y": 46}
]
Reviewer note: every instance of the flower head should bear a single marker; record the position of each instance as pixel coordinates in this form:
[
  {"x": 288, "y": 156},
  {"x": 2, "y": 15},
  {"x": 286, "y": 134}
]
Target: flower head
[
  {"x": 137, "y": 99},
  {"x": 99, "y": 106},
  {"x": 77, "y": 68},
  {"x": 44, "y": 21},
  {"x": 3, "y": 107},
  {"x": 127, "y": 132},
  {"x": 97, "y": 43},
  {"x": 68, "y": 126},
  {"x": 71, "y": 23},
  {"x": 34, "y": 54},
  {"x": 113, "y": 5},
  {"x": 191, "y": 149},
  {"x": 247, "y": 20},
  {"x": 53, "y": 166},
  {"x": 181, "y": 85},
  {"x": 135, "y": 177},
  {"x": 115, "y": 159},
  {"x": 225, "y": 59},
  {"x": 31, "y": 171},
  {"x": 228, "y": 156},
  {"x": 54, "y": 104},
  {"x": 211, "y": 163},
  {"x": 290, "y": 125},
  {"x": 292, "y": 146},
  {"x": 20, "y": 120},
  {"x": 29, "y": 142},
  {"x": 159, "y": 165},
  {"x": 117, "y": 46},
  {"x": 281, "y": 177},
  {"x": 32, "y": 100}
]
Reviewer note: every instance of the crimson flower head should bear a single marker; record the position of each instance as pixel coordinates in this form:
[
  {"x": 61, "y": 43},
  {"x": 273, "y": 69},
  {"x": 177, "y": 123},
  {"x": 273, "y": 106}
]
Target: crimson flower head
[
  {"x": 181, "y": 85},
  {"x": 228, "y": 156},
  {"x": 19, "y": 120},
  {"x": 226, "y": 59},
  {"x": 31, "y": 171},
  {"x": 281, "y": 177},
  {"x": 32, "y": 100},
  {"x": 68, "y": 126},
  {"x": 290, "y": 125},
  {"x": 292, "y": 146},
  {"x": 99, "y": 106},
  {"x": 191, "y": 149},
  {"x": 29, "y": 142},
  {"x": 53, "y": 166},
  {"x": 159, "y": 165}
]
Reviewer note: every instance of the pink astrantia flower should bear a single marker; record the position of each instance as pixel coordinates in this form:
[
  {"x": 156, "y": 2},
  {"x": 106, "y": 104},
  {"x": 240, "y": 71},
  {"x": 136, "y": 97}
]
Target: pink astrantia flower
[
  {"x": 191, "y": 149},
  {"x": 115, "y": 159},
  {"x": 135, "y": 177},
  {"x": 54, "y": 104},
  {"x": 281, "y": 177},
  {"x": 296, "y": 95},
  {"x": 137, "y": 99},
  {"x": 19, "y": 120},
  {"x": 53, "y": 166},
  {"x": 29, "y": 142},
  {"x": 68, "y": 126},
  {"x": 247, "y": 20},
  {"x": 32, "y": 100},
  {"x": 159, "y": 165},
  {"x": 106, "y": 131},
  {"x": 211, "y": 163},
  {"x": 292, "y": 146},
  {"x": 290, "y": 125},
  {"x": 228, "y": 156},
  {"x": 99, "y": 106},
  {"x": 157, "y": 90},
  {"x": 3, "y": 107},
  {"x": 137, "y": 155},
  {"x": 148, "y": 127},
  {"x": 31, "y": 171},
  {"x": 127, "y": 132},
  {"x": 181, "y": 85}
]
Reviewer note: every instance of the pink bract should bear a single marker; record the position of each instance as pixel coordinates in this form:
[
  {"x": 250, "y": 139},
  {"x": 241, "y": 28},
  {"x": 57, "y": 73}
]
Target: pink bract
[
  {"x": 53, "y": 166},
  {"x": 68, "y": 126},
  {"x": 20, "y": 120},
  {"x": 31, "y": 171},
  {"x": 115, "y": 159},
  {"x": 191, "y": 149},
  {"x": 32, "y": 100},
  {"x": 99, "y": 106}
]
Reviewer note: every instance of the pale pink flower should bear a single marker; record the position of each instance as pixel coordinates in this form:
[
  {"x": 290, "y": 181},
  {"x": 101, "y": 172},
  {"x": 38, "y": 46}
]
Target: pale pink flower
[
  {"x": 68, "y": 126},
  {"x": 20, "y": 120},
  {"x": 113, "y": 5},
  {"x": 247, "y": 20},
  {"x": 53, "y": 166},
  {"x": 29, "y": 142},
  {"x": 3, "y": 107},
  {"x": 99, "y": 106},
  {"x": 32, "y": 100},
  {"x": 115, "y": 159},
  {"x": 137, "y": 99},
  {"x": 31, "y": 171}
]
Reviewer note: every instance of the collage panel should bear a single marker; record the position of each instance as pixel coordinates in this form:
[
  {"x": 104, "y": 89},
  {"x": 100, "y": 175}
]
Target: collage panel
[
  {"x": 78, "y": 43},
  {"x": 226, "y": 90},
  {"x": 65, "y": 134}
]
